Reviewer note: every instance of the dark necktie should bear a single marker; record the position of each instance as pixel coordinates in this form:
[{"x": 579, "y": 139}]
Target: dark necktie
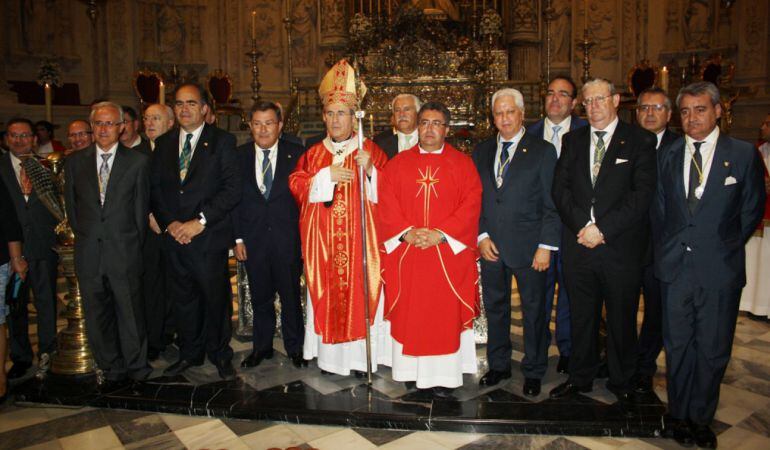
[
  {"x": 696, "y": 167},
  {"x": 267, "y": 173},
  {"x": 599, "y": 152},
  {"x": 503, "y": 166},
  {"x": 185, "y": 157}
]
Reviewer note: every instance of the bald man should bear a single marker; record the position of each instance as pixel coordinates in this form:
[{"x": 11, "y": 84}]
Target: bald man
[{"x": 157, "y": 120}]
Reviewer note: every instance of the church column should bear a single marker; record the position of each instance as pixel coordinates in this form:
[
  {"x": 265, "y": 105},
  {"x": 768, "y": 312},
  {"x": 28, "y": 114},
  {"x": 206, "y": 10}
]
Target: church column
[
  {"x": 119, "y": 58},
  {"x": 521, "y": 24}
]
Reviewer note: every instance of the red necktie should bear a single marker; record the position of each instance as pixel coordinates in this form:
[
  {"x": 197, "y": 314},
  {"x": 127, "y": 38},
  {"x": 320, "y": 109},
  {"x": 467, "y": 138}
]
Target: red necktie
[{"x": 24, "y": 181}]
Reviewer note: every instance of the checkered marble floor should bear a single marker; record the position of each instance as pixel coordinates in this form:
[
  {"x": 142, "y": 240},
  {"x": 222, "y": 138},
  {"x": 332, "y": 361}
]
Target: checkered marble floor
[{"x": 742, "y": 420}]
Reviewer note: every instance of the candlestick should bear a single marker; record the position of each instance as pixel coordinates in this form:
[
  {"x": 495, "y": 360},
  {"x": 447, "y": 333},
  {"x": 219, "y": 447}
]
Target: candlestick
[
  {"x": 162, "y": 93},
  {"x": 664, "y": 78},
  {"x": 371, "y": 8},
  {"x": 371, "y": 125},
  {"x": 254, "y": 24},
  {"x": 585, "y": 14},
  {"x": 390, "y": 13},
  {"x": 48, "y": 103},
  {"x": 361, "y": 6}
]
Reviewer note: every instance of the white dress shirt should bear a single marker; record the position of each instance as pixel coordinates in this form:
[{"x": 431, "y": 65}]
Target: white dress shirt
[
  {"x": 548, "y": 131},
  {"x": 659, "y": 135},
  {"x": 110, "y": 161},
  {"x": 706, "y": 157},
  {"x": 764, "y": 149},
  {"x": 193, "y": 142},
  {"x": 272, "y": 156},
  {"x": 406, "y": 141},
  {"x": 610, "y": 130}
]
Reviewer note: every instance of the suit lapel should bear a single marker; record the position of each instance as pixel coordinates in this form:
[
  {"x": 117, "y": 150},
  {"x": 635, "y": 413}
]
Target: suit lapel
[
  {"x": 677, "y": 176},
  {"x": 119, "y": 167},
  {"x": 9, "y": 176},
  {"x": 583, "y": 156},
  {"x": 491, "y": 150},
  {"x": 281, "y": 171},
  {"x": 518, "y": 159},
  {"x": 617, "y": 142},
  {"x": 251, "y": 163},
  {"x": 720, "y": 169},
  {"x": 172, "y": 155},
  {"x": 91, "y": 175},
  {"x": 201, "y": 151}
]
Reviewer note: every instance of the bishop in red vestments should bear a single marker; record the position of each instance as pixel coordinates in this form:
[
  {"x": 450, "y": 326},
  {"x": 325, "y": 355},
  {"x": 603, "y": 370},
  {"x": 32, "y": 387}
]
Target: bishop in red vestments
[
  {"x": 325, "y": 184},
  {"x": 430, "y": 202}
]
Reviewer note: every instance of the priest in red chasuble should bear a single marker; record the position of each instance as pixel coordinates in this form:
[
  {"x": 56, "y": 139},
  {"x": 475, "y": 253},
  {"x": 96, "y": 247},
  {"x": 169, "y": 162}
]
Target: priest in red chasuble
[
  {"x": 325, "y": 184},
  {"x": 430, "y": 202}
]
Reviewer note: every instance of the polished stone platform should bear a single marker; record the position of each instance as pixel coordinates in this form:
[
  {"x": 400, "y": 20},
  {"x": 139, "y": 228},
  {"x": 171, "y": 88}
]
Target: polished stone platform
[{"x": 277, "y": 391}]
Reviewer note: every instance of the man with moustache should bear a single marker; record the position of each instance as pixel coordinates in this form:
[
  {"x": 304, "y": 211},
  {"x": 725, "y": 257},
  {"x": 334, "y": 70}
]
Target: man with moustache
[
  {"x": 107, "y": 200},
  {"x": 325, "y": 184},
  {"x": 710, "y": 196},
  {"x": 79, "y": 135},
  {"x": 560, "y": 102},
  {"x": 404, "y": 134},
  {"x": 518, "y": 230},
  {"x": 38, "y": 228},
  {"x": 603, "y": 186},
  {"x": 195, "y": 185},
  {"x": 653, "y": 112},
  {"x": 266, "y": 224},
  {"x": 157, "y": 120}
]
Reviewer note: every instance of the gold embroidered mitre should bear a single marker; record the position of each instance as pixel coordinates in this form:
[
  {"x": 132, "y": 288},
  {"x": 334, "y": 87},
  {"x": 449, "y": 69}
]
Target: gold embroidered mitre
[{"x": 339, "y": 86}]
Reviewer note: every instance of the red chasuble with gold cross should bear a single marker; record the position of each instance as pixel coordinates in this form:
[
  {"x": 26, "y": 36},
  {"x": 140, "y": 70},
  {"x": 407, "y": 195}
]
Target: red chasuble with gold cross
[
  {"x": 431, "y": 295},
  {"x": 331, "y": 246}
]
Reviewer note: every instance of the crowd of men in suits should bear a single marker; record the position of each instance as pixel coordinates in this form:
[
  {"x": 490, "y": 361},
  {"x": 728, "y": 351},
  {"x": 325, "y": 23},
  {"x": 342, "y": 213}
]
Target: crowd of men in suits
[{"x": 598, "y": 207}]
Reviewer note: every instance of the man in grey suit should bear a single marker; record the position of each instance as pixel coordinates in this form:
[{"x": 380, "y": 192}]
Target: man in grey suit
[
  {"x": 518, "y": 229},
  {"x": 107, "y": 199},
  {"x": 37, "y": 225},
  {"x": 710, "y": 196}
]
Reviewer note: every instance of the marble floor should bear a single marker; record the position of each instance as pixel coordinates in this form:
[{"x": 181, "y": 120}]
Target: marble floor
[{"x": 742, "y": 420}]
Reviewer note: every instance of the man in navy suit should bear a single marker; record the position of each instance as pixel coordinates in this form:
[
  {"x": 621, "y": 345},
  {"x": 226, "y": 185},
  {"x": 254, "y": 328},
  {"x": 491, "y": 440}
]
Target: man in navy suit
[
  {"x": 266, "y": 224},
  {"x": 560, "y": 101},
  {"x": 603, "y": 186},
  {"x": 709, "y": 199},
  {"x": 653, "y": 112},
  {"x": 195, "y": 185},
  {"x": 518, "y": 230}
]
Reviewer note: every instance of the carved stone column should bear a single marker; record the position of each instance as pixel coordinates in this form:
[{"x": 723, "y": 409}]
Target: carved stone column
[
  {"x": 522, "y": 36},
  {"x": 119, "y": 58}
]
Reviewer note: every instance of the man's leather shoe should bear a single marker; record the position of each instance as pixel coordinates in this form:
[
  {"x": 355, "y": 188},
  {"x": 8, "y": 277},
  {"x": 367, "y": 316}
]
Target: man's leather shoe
[
  {"x": 359, "y": 373},
  {"x": 255, "y": 358},
  {"x": 152, "y": 354},
  {"x": 18, "y": 370},
  {"x": 681, "y": 432},
  {"x": 226, "y": 370},
  {"x": 704, "y": 436},
  {"x": 298, "y": 360},
  {"x": 568, "y": 389},
  {"x": 531, "y": 387},
  {"x": 178, "y": 367},
  {"x": 493, "y": 377},
  {"x": 643, "y": 384},
  {"x": 443, "y": 392},
  {"x": 563, "y": 365}
]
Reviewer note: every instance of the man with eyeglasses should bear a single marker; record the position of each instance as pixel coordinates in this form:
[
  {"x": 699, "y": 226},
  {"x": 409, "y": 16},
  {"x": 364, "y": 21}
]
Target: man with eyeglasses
[
  {"x": 404, "y": 134},
  {"x": 79, "y": 135},
  {"x": 266, "y": 224},
  {"x": 325, "y": 184},
  {"x": 653, "y": 112},
  {"x": 518, "y": 230},
  {"x": 158, "y": 119},
  {"x": 107, "y": 198},
  {"x": 195, "y": 185},
  {"x": 429, "y": 215},
  {"x": 603, "y": 186},
  {"x": 130, "y": 136},
  {"x": 710, "y": 196},
  {"x": 38, "y": 227},
  {"x": 560, "y": 102}
]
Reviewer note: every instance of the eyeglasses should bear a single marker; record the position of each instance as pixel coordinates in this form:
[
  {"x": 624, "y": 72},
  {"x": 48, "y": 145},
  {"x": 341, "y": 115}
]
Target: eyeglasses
[
  {"x": 79, "y": 134},
  {"x": 101, "y": 124},
  {"x": 338, "y": 114},
  {"x": 595, "y": 100},
  {"x": 647, "y": 108},
  {"x": 20, "y": 136},
  {"x": 431, "y": 123}
]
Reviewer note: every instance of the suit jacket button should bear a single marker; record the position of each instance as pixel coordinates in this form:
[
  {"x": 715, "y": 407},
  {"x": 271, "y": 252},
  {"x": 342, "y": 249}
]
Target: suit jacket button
[
  {"x": 593, "y": 200},
  {"x": 181, "y": 191}
]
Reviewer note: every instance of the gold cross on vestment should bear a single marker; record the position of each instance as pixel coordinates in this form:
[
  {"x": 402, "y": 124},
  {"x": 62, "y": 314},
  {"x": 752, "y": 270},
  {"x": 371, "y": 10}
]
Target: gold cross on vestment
[{"x": 427, "y": 184}]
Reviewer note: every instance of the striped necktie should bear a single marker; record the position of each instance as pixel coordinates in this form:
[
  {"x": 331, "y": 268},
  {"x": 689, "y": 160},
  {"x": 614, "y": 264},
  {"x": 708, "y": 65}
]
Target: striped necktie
[
  {"x": 185, "y": 157},
  {"x": 599, "y": 152}
]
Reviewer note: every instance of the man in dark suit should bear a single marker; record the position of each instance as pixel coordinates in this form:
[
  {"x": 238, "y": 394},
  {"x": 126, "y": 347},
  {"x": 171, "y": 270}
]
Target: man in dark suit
[
  {"x": 518, "y": 230},
  {"x": 107, "y": 199},
  {"x": 653, "y": 112},
  {"x": 560, "y": 101},
  {"x": 403, "y": 136},
  {"x": 709, "y": 199},
  {"x": 130, "y": 137},
  {"x": 266, "y": 224},
  {"x": 603, "y": 186},
  {"x": 195, "y": 185},
  {"x": 38, "y": 226},
  {"x": 157, "y": 119}
]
